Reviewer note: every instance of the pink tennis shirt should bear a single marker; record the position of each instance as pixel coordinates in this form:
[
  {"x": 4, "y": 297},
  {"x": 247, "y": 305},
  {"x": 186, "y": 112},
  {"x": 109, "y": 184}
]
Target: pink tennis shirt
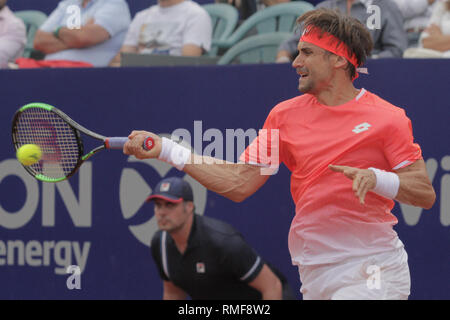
[{"x": 330, "y": 224}]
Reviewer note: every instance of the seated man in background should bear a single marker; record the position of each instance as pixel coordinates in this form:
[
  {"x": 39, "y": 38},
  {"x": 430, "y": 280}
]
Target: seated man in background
[
  {"x": 248, "y": 7},
  {"x": 416, "y": 14},
  {"x": 389, "y": 37},
  {"x": 437, "y": 35},
  {"x": 13, "y": 35},
  {"x": 206, "y": 258},
  {"x": 171, "y": 27},
  {"x": 102, "y": 27}
]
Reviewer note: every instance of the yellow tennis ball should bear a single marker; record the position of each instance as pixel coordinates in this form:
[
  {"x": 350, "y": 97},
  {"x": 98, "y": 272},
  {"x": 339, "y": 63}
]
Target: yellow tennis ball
[{"x": 29, "y": 154}]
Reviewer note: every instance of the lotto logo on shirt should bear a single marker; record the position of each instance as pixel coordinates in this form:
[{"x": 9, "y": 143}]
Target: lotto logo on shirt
[{"x": 362, "y": 127}]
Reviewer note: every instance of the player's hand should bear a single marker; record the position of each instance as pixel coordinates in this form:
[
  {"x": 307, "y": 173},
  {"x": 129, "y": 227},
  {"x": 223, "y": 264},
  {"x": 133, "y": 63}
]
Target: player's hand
[
  {"x": 363, "y": 179},
  {"x": 134, "y": 145}
]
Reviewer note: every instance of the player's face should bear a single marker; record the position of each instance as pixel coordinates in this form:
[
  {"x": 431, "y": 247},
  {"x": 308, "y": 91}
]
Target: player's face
[
  {"x": 314, "y": 67},
  {"x": 169, "y": 215}
]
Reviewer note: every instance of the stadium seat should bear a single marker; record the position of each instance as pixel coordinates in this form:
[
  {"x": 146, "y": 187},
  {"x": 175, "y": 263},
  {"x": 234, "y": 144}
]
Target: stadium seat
[
  {"x": 261, "y": 48},
  {"x": 277, "y": 18},
  {"x": 33, "y": 19},
  {"x": 224, "y": 18}
]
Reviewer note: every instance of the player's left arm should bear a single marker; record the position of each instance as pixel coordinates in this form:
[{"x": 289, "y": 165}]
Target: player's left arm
[
  {"x": 415, "y": 186},
  {"x": 268, "y": 284}
]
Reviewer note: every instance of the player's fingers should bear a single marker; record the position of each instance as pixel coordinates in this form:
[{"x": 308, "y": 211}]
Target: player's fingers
[
  {"x": 349, "y": 172},
  {"x": 363, "y": 191},
  {"x": 139, "y": 142},
  {"x": 337, "y": 168},
  {"x": 364, "y": 181},
  {"x": 126, "y": 148},
  {"x": 134, "y": 133},
  {"x": 129, "y": 147},
  {"x": 356, "y": 183},
  {"x": 134, "y": 144},
  {"x": 359, "y": 186}
]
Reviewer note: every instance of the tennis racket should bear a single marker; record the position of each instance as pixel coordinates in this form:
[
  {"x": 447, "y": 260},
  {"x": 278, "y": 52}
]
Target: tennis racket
[{"x": 59, "y": 138}]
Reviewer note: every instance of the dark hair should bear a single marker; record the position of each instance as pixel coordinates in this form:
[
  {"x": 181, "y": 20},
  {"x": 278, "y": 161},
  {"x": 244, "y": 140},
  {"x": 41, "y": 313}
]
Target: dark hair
[{"x": 345, "y": 28}]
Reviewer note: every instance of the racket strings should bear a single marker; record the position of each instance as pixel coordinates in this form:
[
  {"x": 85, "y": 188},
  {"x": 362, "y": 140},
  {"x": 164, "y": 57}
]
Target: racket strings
[{"x": 55, "y": 137}]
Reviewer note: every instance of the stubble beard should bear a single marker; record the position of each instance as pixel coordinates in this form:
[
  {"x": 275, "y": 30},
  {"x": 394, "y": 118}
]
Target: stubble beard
[{"x": 306, "y": 86}]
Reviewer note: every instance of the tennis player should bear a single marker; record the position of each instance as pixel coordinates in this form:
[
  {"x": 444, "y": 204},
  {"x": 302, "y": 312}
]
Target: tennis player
[{"x": 351, "y": 154}]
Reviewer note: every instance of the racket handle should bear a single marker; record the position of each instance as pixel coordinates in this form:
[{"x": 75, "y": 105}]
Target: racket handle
[
  {"x": 119, "y": 142},
  {"x": 115, "y": 142}
]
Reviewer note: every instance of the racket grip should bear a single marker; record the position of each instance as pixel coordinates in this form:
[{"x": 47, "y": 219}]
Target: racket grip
[
  {"x": 119, "y": 142},
  {"x": 115, "y": 142}
]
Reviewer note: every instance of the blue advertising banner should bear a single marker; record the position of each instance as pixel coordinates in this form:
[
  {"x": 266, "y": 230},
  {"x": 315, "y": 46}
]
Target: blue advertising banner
[{"x": 98, "y": 220}]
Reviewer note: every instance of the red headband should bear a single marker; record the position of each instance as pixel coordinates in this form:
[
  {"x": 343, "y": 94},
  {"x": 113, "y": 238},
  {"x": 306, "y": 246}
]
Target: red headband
[{"x": 330, "y": 43}]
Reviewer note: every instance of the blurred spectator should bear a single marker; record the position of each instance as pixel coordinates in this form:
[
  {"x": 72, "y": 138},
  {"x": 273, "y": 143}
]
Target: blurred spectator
[
  {"x": 314, "y": 2},
  {"x": 261, "y": 4},
  {"x": 171, "y": 27},
  {"x": 245, "y": 7},
  {"x": 416, "y": 14},
  {"x": 248, "y": 7},
  {"x": 435, "y": 40},
  {"x": 13, "y": 35},
  {"x": 389, "y": 37},
  {"x": 90, "y": 31}
]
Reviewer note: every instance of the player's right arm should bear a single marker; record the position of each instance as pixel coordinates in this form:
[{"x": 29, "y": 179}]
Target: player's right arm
[
  {"x": 235, "y": 181},
  {"x": 172, "y": 292}
]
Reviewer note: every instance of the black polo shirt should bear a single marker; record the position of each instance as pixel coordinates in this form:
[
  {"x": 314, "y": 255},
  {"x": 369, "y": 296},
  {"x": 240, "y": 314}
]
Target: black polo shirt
[{"x": 217, "y": 263}]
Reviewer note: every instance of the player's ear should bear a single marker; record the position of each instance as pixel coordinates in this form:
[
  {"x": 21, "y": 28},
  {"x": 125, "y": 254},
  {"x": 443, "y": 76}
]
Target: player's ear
[{"x": 340, "y": 62}]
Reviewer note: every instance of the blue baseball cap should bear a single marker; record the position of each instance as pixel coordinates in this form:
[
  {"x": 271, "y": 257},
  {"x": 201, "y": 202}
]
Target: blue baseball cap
[{"x": 172, "y": 189}]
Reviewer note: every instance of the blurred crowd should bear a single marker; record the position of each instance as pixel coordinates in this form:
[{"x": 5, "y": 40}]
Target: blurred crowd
[{"x": 97, "y": 32}]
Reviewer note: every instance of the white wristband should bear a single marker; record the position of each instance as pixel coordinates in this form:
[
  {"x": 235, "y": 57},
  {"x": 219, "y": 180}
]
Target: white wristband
[
  {"x": 388, "y": 183},
  {"x": 174, "y": 154}
]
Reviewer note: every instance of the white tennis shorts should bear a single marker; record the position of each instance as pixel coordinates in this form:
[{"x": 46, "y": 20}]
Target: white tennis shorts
[{"x": 383, "y": 276}]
